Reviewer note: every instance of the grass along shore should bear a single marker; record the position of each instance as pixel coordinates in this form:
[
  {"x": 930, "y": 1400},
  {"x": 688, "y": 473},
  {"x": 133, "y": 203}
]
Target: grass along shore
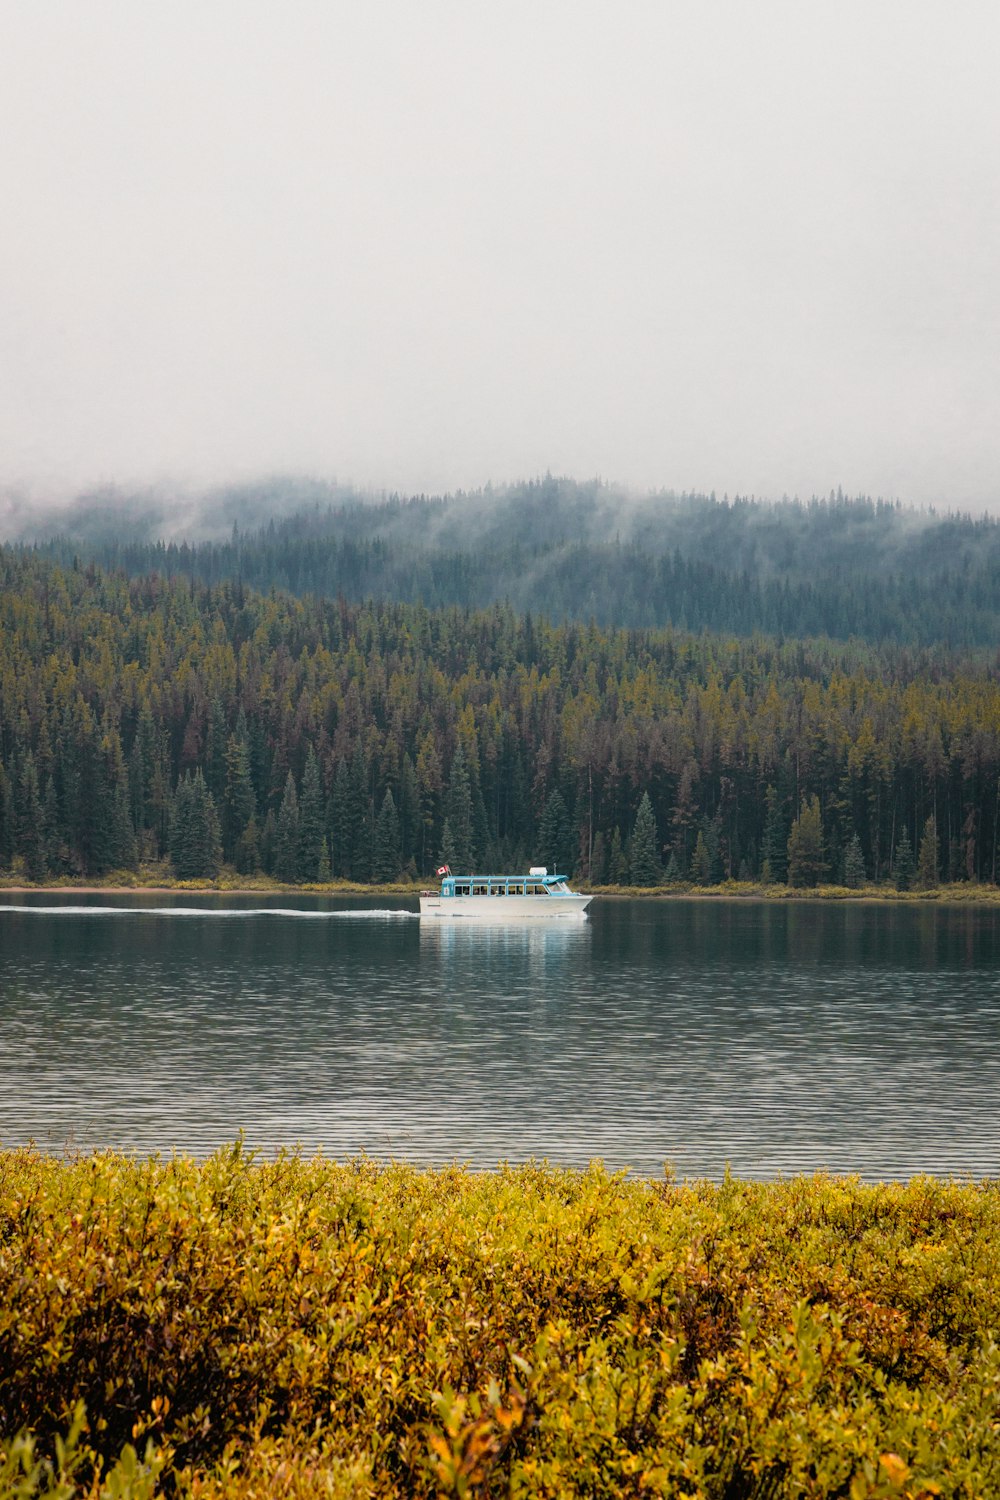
[
  {"x": 300, "y": 1328},
  {"x": 156, "y": 879}
]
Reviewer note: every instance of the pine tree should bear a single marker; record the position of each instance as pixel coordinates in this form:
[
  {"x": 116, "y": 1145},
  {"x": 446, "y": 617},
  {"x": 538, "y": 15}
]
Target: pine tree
[
  {"x": 599, "y": 860},
  {"x": 927, "y": 860},
  {"x": 672, "y": 874},
  {"x": 701, "y": 861},
  {"x": 775, "y": 843},
  {"x": 448, "y": 855},
  {"x": 246, "y": 855},
  {"x": 458, "y": 812},
  {"x": 240, "y": 799},
  {"x": 387, "y": 861},
  {"x": 286, "y": 846},
  {"x": 339, "y": 820},
  {"x": 311, "y": 819},
  {"x": 903, "y": 867},
  {"x": 555, "y": 835},
  {"x": 31, "y": 837},
  {"x": 644, "y": 856},
  {"x": 195, "y": 841},
  {"x": 359, "y": 816},
  {"x": 806, "y": 858},
  {"x": 854, "y": 864},
  {"x": 324, "y": 874},
  {"x": 617, "y": 860}
]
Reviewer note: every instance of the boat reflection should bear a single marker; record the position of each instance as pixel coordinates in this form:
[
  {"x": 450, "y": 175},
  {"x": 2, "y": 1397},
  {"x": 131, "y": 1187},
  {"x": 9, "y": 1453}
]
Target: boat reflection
[{"x": 479, "y": 936}]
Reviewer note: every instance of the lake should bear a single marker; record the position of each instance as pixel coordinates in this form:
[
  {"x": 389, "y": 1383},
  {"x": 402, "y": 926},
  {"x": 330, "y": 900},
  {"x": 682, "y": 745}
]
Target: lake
[{"x": 777, "y": 1038}]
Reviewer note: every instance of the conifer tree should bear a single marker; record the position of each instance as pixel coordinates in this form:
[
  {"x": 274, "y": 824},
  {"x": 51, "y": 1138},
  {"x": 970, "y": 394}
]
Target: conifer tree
[
  {"x": 775, "y": 844},
  {"x": 458, "y": 812},
  {"x": 672, "y": 875},
  {"x": 195, "y": 841},
  {"x": 246, "y": 855},
  {"x": 644, "y": 856},
  {"x": 927, "y": 859},
  {"x": 555, "y": 835},
  {"x": 324, "y": 873},
  {"x": 854, "y": 864},
  {"x": 359, "y": 816},
  {"x": 448, "y": 855},
  {"x": 31, "y": 837},
  {"x": 340, "y": 821},
  {"x": 806, "y": 857},
  {"x": 903, "y": 868},
  {"x": 311, "y": 819},
  {"x": 240, "y": 799},
  {"x": 286, "y": 845},
  {"x": 701, "y": 861},
  {"x": 617, "y": 860},
  {"x": 387, "y": 860}
]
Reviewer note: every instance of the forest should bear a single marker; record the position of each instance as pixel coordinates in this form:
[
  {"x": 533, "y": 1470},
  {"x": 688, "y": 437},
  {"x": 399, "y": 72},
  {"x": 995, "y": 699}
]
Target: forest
[
  {"x": 151, "y": 718},
  {"x": 838, "y": 567}
]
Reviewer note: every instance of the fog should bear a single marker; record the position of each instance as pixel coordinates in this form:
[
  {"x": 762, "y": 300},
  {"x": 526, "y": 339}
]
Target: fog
[{"x": 729, "y": 247}]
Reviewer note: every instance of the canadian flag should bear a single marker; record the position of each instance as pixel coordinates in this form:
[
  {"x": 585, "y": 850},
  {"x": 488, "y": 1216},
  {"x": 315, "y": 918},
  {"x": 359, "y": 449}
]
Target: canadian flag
[{"x": 444, "y": 870}]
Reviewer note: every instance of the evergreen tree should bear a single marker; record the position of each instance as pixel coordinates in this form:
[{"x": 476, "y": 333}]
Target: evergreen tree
[
  {"x": 599, "y": 860},
  {"x": 644, "y": 856},
  {"x": 269, "y": 842},
  {"x": 6, "y": 819},
  {"x": 903, "y": 867},
  {"x": 806, "y": 858},
  {"x": 324, "y": 873},
  {"x": 927, "y": 860},
  {"x": 458, "y": 813},
  {"x": 360, "y": 821},
  {"x": 286, "y": 844},
  {"x": 854, "y": 864},
  {"x": 311, "y": 820},
  {"x": 617, "y": 860},
  {"x": 774, "y": 869},
  {"x": 387, "y": 860},
  {"x": 701, "y": 861},
  {"x": 31, "y": 836},
  {"x": 214, "y": 760},
  {"x": 195, "y": 841},
  {"x": 240, "y": 799},
  {"x": 672, "y": 874},
  {"x": 54, "y": 858},
  {"x": 448, "y": 855},
  {"x": 556, "y": 835},
  {"x": 246, "y": 855},
  {"x": 341, "y": 822}
]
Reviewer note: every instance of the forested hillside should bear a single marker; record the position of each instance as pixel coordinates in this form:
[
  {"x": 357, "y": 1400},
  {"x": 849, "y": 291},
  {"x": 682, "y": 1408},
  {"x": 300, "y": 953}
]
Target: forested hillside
[
  {"x": 840, "y": 568},
  {"x": 305, "y": 736}
]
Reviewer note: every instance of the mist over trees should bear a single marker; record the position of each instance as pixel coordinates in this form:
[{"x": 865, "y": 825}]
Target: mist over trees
[
  {"x": 150, "y": 717},
  {"x": 839, "y": 567}
]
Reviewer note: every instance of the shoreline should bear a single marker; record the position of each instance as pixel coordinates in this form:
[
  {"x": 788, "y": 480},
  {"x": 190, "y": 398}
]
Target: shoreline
[{"x": 960, "y": 894}]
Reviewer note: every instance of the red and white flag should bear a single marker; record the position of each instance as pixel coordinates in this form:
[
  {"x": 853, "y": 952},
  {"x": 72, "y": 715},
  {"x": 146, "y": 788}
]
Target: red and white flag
[{"x": 444, "y": 870}]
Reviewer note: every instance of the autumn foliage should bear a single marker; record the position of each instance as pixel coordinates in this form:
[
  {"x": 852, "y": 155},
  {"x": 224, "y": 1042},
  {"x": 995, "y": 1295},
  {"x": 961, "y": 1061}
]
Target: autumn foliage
[{"x": 300, "y": 1328}]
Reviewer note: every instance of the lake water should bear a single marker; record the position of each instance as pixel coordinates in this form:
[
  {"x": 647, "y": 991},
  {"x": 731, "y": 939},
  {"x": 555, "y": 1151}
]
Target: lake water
[{"x": 778, "y": 1038}]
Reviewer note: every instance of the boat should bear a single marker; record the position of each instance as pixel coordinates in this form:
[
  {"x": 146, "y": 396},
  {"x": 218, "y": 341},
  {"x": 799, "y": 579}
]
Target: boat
[{"x": 503, "y": 898}]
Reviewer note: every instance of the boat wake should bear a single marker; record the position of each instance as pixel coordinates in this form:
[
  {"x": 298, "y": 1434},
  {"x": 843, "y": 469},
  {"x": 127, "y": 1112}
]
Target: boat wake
[{"x": 375, "y": 914}]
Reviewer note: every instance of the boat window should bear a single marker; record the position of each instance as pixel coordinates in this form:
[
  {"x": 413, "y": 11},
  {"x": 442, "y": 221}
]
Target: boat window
[
  {"x": 461, "y": 889},
  {"x": 479, "y": 890}
]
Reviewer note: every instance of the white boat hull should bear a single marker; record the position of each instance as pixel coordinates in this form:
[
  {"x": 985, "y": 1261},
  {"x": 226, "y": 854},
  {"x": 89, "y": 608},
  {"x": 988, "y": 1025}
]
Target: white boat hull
[{"x": 567, "y": 908}]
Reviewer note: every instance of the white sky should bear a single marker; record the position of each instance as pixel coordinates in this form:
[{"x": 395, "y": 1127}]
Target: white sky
[{"x": 713, "y": 244}]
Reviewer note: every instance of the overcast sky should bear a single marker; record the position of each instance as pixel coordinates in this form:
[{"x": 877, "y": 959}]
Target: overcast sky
[{"x": 752, "y": 247}]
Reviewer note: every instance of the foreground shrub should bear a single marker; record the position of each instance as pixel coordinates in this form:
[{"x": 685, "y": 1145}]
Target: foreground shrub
[{"x": 299, "y": 1328}]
